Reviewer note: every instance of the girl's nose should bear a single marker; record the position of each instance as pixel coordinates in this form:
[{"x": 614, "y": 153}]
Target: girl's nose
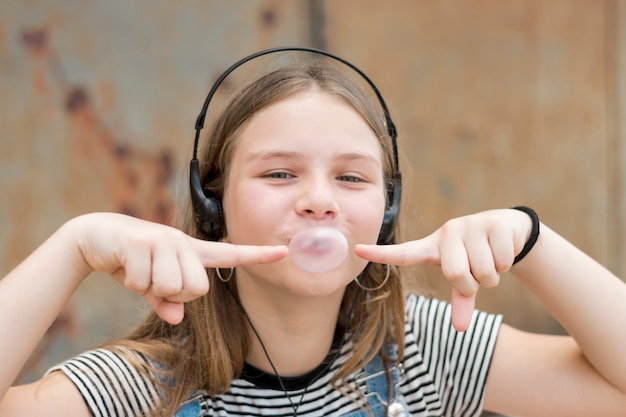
[{"x": 317, "y": 200}]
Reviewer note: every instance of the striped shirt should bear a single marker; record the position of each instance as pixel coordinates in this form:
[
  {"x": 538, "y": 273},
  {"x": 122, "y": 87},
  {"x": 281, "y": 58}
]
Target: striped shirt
[{"x": 443, "y": 373}]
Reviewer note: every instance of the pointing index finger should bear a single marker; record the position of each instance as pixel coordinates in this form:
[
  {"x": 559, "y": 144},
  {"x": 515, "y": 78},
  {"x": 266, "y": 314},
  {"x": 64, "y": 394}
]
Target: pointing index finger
[
  {"x": 225, "y": 255},
  {"x": 422, "y": 251}
]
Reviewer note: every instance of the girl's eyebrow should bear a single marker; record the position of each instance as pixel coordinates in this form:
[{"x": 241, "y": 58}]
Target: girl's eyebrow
[
  {"x": 353, "y": 156},
  {"x": 270, "y": 155}
]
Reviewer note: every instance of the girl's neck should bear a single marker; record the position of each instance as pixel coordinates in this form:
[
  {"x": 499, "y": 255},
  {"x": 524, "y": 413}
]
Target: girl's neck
[{"x": 296, "y": 332}]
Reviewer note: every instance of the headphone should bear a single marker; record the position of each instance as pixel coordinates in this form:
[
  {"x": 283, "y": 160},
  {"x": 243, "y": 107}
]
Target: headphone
[{"x": 207, "y": 207}]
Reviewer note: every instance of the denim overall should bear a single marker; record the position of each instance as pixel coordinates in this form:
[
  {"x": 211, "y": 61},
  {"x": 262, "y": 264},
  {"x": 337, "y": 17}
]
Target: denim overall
[{"x": 377, "y": 392}]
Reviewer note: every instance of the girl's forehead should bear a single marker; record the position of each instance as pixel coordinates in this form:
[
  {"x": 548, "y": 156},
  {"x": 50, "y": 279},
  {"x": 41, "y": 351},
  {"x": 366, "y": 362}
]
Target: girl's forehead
[
  {"x": 308, "y": 109},
  {"x": 303, "y": 100},
  {"x": 309, "y": 120}
]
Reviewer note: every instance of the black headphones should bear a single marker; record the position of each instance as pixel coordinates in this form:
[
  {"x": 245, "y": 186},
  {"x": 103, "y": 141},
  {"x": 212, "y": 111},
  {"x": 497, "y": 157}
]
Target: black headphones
[{"x": 207, "y": 207}]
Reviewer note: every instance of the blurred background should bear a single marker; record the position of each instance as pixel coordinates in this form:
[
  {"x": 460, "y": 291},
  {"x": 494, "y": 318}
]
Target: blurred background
[{"x": 497, "y": 103}]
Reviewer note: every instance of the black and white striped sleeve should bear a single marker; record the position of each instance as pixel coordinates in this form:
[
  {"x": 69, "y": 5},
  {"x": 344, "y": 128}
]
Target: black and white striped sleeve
[
  {"x": 110, "y": 384},
  {"x": 457, "y": 362}
]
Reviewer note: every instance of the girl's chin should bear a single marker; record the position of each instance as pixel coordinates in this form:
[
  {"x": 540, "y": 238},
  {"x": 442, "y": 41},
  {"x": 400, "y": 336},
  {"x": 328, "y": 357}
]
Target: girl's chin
[
  {"x": 317, "y": 284},
  {"x": 292, "y": 280}
]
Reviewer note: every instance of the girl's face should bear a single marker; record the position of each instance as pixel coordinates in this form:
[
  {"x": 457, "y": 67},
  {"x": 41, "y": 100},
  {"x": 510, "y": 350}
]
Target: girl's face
[{"x": 307, "y": 160}]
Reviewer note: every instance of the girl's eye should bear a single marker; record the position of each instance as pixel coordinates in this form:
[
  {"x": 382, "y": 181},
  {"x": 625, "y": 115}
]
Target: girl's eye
[
  {"x": 350, "y": 178},
  {"x": 279, "y": 175}
]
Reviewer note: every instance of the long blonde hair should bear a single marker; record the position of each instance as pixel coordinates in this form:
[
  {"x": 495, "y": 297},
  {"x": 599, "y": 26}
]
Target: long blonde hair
[{"x": 208, "y": 349}]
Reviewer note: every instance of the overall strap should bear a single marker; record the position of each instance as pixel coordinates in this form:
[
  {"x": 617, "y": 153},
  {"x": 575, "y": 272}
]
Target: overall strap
[{"x": 381, "y": 404}]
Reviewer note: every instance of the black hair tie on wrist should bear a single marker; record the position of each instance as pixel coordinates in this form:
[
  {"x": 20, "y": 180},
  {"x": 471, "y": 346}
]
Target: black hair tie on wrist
[{"x": 534, "y": 232}]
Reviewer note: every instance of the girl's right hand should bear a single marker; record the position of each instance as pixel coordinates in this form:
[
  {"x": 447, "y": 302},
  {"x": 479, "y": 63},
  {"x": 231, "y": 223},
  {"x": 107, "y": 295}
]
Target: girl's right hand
[{"x": 159, "y": 262}]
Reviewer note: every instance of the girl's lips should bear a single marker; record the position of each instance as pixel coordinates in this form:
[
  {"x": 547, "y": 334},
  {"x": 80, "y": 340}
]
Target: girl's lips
[{"x": 318, "y": 249}]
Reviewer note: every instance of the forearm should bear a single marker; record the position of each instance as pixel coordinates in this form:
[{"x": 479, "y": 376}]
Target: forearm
[
  {"x": 33, "y": 295},
  {"x": 588, "y": 300}
]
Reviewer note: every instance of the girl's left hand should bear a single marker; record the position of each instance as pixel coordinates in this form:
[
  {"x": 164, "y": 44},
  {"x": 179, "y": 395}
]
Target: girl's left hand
[{"x": 472, "y": 251}]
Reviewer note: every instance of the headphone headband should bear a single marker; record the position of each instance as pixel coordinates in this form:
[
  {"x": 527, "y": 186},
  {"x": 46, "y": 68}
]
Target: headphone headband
[{"x": 391, "y": 127}]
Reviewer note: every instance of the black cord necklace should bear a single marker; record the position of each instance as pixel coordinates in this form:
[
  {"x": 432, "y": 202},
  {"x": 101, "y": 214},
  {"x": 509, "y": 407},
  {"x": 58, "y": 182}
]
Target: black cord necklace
[{"x": 278, "y": 377}]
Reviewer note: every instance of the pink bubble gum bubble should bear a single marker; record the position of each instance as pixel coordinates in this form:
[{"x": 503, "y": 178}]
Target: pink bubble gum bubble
[{"x": 318, "y": 249}]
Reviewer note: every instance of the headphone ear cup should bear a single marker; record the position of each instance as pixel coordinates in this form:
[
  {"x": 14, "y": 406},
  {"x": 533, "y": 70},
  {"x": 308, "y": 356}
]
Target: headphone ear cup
[
  {"x": 392, "y": 211},
  {"x": 207, "y": 207}
]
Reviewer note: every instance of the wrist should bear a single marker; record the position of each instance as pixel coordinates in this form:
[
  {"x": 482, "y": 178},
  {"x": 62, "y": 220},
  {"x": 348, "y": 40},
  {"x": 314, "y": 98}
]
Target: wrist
[
  {"x": 532, "y": 236},
  {"x": 72, "y": 237}
]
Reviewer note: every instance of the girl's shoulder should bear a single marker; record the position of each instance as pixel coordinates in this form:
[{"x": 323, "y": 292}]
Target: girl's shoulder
[{"x": 112, "y": 379}]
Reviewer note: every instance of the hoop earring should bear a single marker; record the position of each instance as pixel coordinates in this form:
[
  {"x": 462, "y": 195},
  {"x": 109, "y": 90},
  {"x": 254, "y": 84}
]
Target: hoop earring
[
  {"x": 219, "y": 274},
  {"x": 382, "y": 284}
]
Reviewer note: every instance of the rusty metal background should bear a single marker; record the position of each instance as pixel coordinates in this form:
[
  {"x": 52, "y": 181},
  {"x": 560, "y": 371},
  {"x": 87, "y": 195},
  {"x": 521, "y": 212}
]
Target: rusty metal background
[{"x": 497, "y": 103}]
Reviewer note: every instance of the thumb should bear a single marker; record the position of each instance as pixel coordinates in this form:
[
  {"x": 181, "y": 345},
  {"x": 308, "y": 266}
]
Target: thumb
[
  {"x": 462, "y": 309},
  {"x": 170, "y": 311}
]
